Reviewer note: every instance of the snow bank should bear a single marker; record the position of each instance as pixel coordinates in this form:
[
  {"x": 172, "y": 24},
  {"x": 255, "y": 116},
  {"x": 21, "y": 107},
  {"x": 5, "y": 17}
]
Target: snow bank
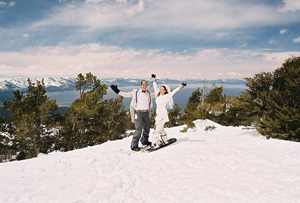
[{"x": 226, "y": 164}]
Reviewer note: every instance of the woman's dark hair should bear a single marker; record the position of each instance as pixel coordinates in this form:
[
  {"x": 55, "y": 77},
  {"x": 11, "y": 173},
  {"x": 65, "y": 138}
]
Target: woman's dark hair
[{"x": 165, "y": 90}]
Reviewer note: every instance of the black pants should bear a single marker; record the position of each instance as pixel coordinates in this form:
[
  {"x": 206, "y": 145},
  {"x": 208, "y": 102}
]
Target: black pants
[{"x": 142, "y": 126}]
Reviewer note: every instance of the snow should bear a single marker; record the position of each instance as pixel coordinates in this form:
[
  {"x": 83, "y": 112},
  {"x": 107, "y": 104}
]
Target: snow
[{"x": 227, "y": 164}]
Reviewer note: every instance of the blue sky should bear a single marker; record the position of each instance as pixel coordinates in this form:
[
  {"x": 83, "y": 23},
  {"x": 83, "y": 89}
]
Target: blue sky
[{"x": 135, "y": 38}]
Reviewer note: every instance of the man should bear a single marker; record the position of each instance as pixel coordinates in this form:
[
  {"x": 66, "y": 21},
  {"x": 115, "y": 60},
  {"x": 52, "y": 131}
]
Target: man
[{"x": 140, "y": 107}]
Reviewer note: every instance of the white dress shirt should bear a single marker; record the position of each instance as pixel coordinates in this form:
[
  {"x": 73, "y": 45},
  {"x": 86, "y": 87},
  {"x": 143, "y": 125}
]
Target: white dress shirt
[{"x": 142, "y": 100}]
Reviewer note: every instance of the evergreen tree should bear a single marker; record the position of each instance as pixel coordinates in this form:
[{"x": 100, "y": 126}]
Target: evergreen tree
[
  {"x": 5, "y": 140},
  {"x": 215, "y": 101},
  {"x": 152, "y": 118},
  {"x": 87, "y": 82},
  {"x": 247, "y": 108},
  {"x": 32, "y": 120},
  {"x": 200, "y": 105},
  {"x": 174, "y": 116},
  {"x": 91, "y": 119},
  {"x": 241, "y": 111},
  {"x": 271, "y": 102},
  {"x": 280, "y": 105},
  {"x": 191, "y": 111}
]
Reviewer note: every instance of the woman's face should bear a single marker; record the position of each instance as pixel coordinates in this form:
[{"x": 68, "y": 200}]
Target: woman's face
[{"x": 162, "y": 90}]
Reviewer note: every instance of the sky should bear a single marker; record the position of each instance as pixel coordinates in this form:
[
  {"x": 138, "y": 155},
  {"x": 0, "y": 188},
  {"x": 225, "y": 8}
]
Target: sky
[{"x": 215, "y": 39}]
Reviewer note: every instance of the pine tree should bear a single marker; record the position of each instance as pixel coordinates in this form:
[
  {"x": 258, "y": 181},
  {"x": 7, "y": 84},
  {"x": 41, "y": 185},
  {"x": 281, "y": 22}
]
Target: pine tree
[
  {"x": 215, "y": 101},
  {"x": 271, "y": 102},
  {"x": 191, "y": 111},
  {"x": 174, "y": 116},
  {"x": 87, "y": 82},
  {"x": 241, "y": 111},
  {"x": 152, "y": 118},
  {"x": 248, "y": 108},
  {"x": 31, "y": 121},
  {"x": 5, "y": 140},
  {"x": 281, "y": 103},
  {"x": 91, "y": 119}
]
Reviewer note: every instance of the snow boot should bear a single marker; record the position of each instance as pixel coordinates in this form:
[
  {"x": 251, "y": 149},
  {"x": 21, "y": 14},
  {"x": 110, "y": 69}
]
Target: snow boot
[
  {"x": 146, "y": 144},
  {"x": 135, "y": 149},
  {"x": 164, "y": 138}
]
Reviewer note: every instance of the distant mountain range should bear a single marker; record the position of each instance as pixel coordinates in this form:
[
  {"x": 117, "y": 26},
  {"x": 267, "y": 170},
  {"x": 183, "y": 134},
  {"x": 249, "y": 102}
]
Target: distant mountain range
[
  {"x": 51, "y": 83},
  {"x": 54, "y": 84}
]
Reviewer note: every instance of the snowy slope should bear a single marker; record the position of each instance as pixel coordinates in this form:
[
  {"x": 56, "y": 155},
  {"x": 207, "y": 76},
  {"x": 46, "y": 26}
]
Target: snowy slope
[{"x": 227, "y": 164}]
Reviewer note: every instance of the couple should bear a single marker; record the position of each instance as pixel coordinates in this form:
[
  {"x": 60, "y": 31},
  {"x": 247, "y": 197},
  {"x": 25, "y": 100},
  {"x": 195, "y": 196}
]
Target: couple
[{"x": 140, "y": 107}]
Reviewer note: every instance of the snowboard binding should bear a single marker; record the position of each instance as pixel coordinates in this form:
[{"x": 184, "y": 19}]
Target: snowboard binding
[{"x": 161, "y": 140}]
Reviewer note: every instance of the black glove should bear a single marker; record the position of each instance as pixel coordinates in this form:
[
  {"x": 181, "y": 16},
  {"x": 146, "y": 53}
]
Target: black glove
[
  {"x": 115, "y": 88},
  {"x": 153, "y": 76}
]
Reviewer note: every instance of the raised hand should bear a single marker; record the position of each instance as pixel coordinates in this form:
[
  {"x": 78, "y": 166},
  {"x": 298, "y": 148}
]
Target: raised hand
[
  {"x": 115, "y": 88},
  {"x": 153, "y": 77},
  {"x": 182, "y": 85}
]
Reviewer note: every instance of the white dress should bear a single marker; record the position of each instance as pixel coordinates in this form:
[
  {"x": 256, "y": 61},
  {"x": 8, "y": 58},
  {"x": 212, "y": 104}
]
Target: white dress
[{"x": 161, "y": 111}]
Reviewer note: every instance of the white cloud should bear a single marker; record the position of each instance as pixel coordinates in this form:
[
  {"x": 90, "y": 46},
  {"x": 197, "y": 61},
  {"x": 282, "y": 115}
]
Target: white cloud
[
  {"x": 25, "y": 35},
  {"x": 290, "y": 5},
  {"x": 10, "y": 4},
  {"x": 2, "y": 4},
  {"x": 272, "y": 41},
  {"x": 243, "y": 45},
  {"x": 167, "y": 17},
  {"x": 296, "y": 40},
  {"x": 113, "y": 61},
  {"x": 283, "y": 31},
  {"x": 139, "y": 7}
]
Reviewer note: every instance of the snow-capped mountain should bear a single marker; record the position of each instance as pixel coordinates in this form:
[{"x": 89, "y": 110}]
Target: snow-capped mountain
[
  {"x": 227, "y": 165},
  {"x": 51, "y": 83},
  {"x": 67, "y": 83},
  {"x": 136, "y": 81}
]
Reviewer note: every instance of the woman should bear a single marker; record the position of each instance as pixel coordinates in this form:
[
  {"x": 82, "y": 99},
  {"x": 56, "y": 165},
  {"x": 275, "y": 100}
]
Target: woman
[{"x": 164, "y": 100}]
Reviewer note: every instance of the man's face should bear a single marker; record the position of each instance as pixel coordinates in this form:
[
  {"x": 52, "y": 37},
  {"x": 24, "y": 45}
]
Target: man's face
[{"x": 144, "y": 86}]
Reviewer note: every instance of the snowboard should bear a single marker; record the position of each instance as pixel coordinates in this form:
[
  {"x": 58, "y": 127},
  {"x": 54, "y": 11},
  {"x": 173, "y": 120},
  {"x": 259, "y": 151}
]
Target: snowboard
[{"x": 150, "y": 149}]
